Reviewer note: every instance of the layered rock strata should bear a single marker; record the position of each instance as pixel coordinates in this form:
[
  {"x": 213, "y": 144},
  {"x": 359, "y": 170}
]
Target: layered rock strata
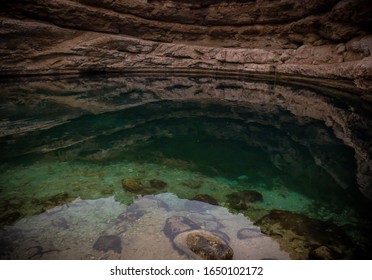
[{"x": 319, "y": 38}]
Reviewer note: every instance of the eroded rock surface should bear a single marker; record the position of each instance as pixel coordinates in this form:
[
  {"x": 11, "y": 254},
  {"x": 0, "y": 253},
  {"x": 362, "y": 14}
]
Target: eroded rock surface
[{"x": 324, "y": 39}]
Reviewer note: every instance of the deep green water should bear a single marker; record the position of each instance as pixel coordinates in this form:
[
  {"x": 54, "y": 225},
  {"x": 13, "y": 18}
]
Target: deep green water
[{"x": 207, "y": 146}]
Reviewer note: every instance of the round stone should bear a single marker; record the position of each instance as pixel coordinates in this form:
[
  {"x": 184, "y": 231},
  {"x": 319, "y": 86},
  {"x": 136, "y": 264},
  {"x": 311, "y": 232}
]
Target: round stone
[{"x": 208, "y": 246}]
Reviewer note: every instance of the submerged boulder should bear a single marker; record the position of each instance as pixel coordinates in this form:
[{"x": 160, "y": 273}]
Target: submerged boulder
[
  {"x": 201, "y": 244},
  {"x": 188, "y": 238},
  {"x": 248, "y": 233},
  {"x": 299, "y": 234},
  {"x": 324, "y": 253},
  {"x": 132, "y": 185},
  {"x": 241, "y": 200},
  {"x": 178, "y": 224},
  {"x": 158, "y": 184}
]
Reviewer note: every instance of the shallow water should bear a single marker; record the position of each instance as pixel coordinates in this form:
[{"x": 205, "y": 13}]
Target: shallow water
[{"x": 185, "y": 143}]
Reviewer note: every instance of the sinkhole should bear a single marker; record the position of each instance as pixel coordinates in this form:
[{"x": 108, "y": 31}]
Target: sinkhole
[{"x": 145, "y": 167}]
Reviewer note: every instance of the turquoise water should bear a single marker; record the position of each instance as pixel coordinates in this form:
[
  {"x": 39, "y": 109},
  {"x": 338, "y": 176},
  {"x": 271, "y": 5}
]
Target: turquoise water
[{"x": 84, "y": 148}]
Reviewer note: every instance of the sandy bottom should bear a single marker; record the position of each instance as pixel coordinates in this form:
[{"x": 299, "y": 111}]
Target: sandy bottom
[{"x": 70, "y": 231}]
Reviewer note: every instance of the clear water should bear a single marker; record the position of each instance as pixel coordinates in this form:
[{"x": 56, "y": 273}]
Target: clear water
[{"x": 66, "y": 149}]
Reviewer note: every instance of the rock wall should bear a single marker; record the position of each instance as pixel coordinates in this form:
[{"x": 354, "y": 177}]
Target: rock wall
[{"x": 327, "y": 39}]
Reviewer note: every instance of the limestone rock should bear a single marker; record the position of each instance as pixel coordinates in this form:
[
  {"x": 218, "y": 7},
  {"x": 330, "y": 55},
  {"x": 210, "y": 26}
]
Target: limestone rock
[{"x": 248, "y": 37}]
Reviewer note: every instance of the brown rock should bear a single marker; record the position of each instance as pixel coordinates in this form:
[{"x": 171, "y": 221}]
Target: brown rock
[
  {"x": 132, "y": 185},
  {"x": 241, "y": 200},
  {"x": 208, "y": 246},
  {"x": 158, "y": 184},
  {"x": 324, "y": 253},
  {"x": 206, "y": 199}
]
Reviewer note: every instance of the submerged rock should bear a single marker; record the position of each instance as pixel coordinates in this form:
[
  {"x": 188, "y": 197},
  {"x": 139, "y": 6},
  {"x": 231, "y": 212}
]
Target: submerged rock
[
  {"x": 206, "y": 199},
  {"x": 251, "y": 196},
  {"x": 132, "y": 185},
  {"x": 188, "y": 238},
  {"x": 158, "y": 184},
  {"x": 324, "y": 253},
  {"x": 107, "y": 192},
  {"x": 53, "y": 201},
  {"x": 247, "y": 233},
  {"x": 148, "y": 202},
  {"x": 201, "y": 244},
  {"x": 106, "y": 243},
  {"x": 241, "y": 200},
  {"x": 178, "y": 224},
  {"x": 197, "y": 206},
  {"x": 298, "y": 233},
  {"x": 162, "y": 205}
]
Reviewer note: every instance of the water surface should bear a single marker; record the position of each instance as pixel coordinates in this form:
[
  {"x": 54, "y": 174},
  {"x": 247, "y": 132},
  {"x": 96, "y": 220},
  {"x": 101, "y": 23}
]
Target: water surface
[{"x": 276, "y": 172}]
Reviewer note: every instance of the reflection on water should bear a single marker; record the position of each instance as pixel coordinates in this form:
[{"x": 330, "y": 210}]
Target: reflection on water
[{"x": 90, "y": 168}]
